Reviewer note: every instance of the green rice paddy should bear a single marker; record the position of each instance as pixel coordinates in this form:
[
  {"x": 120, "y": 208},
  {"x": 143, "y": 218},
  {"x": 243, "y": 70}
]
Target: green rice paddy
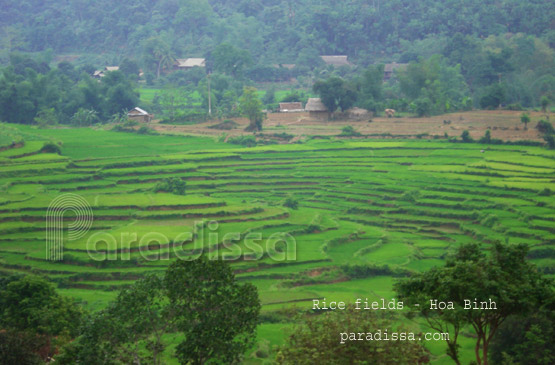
[{"x": 404, "y": 204}]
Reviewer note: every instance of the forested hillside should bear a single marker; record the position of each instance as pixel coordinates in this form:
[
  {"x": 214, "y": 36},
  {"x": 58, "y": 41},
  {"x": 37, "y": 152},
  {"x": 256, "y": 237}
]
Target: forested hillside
[
  {"x": 276, "y": 30},
  {"x": 462, "y": 55}
]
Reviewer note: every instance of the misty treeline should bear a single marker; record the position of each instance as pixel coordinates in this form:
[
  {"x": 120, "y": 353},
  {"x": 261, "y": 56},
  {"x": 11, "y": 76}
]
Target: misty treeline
[{"x": 461, "y": 55}]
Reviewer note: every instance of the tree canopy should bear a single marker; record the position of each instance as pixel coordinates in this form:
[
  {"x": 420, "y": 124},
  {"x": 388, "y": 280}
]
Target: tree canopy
[{"x": 504, "y": 276}]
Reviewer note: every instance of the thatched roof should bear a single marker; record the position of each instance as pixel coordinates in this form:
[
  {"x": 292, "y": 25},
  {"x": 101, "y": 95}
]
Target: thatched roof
[
  {"x": 291, "y": 107},
  {"x": 190, "y": 62},
  {"x": 315, "y": 105},
  {"x": 111, "y": 68},
  {"x": 336, "y": 60}
]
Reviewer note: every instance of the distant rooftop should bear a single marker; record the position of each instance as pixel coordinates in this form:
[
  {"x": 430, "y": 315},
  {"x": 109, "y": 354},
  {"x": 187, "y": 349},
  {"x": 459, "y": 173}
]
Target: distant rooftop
[
  {"x": 336, "y": 60},
  {"x": 315, "y": 105},
  {"x": 190, "y": 62}
]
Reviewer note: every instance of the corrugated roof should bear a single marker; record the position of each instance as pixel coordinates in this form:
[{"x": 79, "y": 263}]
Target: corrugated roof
[
  {"x": 315, "y": 105},
  {"x": 336, "y": 60},
  {"x": 141, "y": 111},
  {"x": 112, "y": 68},
  {"x": 190, "y": 62}
]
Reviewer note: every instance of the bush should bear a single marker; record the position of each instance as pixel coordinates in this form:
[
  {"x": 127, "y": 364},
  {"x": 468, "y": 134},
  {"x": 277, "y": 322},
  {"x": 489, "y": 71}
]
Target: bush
[
  {"x": 349, "y": 131},
  {"x": 545, "y": 127},
  {"x": 465, "y": 136},
  {"x": 172, "y": 185},
  {"x": 550, "y": 141},
  {"x": 422, "y": 107},
  {"x": 50, "y": 147},
  {"x": 145, "y": 130},
  {"x": 247, "y": 141},
  {"x": 486, "y": 138},
  {"x": 291, "y": 203},
  {"x": 360, "y": 271}
]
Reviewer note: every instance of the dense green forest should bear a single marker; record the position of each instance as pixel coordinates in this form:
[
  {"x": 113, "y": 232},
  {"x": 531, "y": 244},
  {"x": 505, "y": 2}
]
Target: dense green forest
[
  {"x": 272, "y": 30},
  {"x": 481, "y": 54}
]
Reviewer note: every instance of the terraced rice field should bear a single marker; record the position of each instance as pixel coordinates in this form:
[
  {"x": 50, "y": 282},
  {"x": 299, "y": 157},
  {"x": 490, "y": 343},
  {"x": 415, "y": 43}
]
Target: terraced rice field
[{"x": 404, "y": 204}]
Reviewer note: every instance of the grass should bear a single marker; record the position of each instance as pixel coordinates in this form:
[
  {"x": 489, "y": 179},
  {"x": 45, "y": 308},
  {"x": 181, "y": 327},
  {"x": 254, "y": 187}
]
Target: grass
[{"x": 401, "y": 203}]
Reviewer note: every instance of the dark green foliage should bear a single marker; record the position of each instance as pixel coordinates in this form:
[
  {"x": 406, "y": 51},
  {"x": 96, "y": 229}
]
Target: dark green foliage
[
  {"x": 130, "y": 68},
  {"x": 422, "y": 107},
  {"x": 199, "y": 298},
  {"x": 22, "y": 347},
  {"x": 465, "y": 136},
  {"x": 359, "y": 271},
  {"x": 50, "y": 147},
  {"x": 335, "y": 93},
  {"x": 35, "y": 319},
  {"x": 550, "y": 140},
  {"x": 295, "y": 95},
  {"x": 31, "y": 303},
  {"x": 545, "y": 127},
  {"x": 486, "y": 139},
  {"x": 172, "y": 185},
  {"x": 494, "y": 96},
  {"x": 269, "y": 97},
  {"x": 216, "y": 315},
  {"x": 505, "y": 276},
  {"x": 433, "y": 86},
  {"x": 315, "y": 339},
  {"x": 349, "y": 131},
  {"x": 247, "y": 141},
  {"x": 250, "y": 106},
  {"x": 526, "y": 340},
  {"x": 370, "y": 87},
  {"x": 63, "y": 96},
  {"x": 230, "y": 60},
  {"x": 291, "y": 203},
  {"x": 525, "y": 118},
  {"x": 544, "y": 102}
]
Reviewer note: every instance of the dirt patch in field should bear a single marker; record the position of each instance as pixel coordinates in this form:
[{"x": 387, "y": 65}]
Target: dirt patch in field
[{"x": 503, "y": 124}]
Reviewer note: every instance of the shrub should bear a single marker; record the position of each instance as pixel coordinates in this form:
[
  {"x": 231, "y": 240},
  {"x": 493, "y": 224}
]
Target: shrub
[
  {"x": 291, "y": 203},
  {"x": 486, "y": 138},
  {"x": 360, "y": 271},
  {"x": 247, "y": 141},
  {"x": 349, "y": 131},
  {"x": 550, "y": 141},
  {"x": 145, "y": 130},
  {"x": 172, "y": 185},
  {"x": 466, "y": 137},
  {"x": 50, "y": 147},
  {"x": 545, "y": 127}
]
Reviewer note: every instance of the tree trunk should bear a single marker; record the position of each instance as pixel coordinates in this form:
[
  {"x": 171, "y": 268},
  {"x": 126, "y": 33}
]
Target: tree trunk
[
  {"x": 158, "y": 70},
  {"x": 452, "y": 352},
  {"x": 477, "y": 351},
  {"x": 485, "y": 353}
]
